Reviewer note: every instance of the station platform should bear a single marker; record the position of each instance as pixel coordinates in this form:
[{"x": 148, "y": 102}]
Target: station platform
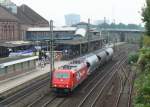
[{"x": 11, "y": 83}]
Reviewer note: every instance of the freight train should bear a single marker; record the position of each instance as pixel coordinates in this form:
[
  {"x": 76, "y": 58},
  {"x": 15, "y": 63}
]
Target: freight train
[{"x": 68, "y": 77}]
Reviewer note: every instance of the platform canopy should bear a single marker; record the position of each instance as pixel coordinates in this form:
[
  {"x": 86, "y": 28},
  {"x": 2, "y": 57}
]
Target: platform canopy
[
  {"x": 14, "y": 43},
  {"x": 58, "y": 29},
  {"x": 81, "y": 32}
]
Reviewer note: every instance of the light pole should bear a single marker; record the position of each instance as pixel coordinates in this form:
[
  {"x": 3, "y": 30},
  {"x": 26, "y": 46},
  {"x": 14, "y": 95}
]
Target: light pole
[
  {"x": 51, "y": 51},
  {"x": 100, "y": 38},
  {"x": 80, "y": 46},
  {"x": 88, "y": 27},
  {"x": 108, "y": 38}
]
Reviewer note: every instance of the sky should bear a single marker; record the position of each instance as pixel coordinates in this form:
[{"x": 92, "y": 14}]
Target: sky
[{"x": 125, "y": 11}]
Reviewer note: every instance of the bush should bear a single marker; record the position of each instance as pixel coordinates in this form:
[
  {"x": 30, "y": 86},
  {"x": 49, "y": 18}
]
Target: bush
[
  {"x": 142, "y": 83},
  {"x": 146, "y": 41},
  {"x": 142, "y": 88},
  {"x": 133, "y": 58}
]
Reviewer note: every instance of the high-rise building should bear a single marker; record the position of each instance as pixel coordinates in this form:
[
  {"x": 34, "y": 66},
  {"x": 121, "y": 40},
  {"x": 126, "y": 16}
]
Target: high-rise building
[
  {"x": 71, "y": 19},
  {"x": 3, "y": 1}
]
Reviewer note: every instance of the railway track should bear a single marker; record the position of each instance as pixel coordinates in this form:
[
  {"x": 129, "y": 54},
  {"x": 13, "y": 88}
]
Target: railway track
[
  {"x": 122, "y": 98},
  {"x": 94, "y": 94},
  {"x": 43, "y": 101},
  {"x": 55, "y": 103},
  {"x": 75, "y": 101},
  {"x": 51, "y": 98},
  {"x": 131, "y": 89},
  {"x": 22, "y": 94},
  {"x": 125, "y": 94},
  {"x": 48, "y": 99},
  {"x": 102, "y": 71}
]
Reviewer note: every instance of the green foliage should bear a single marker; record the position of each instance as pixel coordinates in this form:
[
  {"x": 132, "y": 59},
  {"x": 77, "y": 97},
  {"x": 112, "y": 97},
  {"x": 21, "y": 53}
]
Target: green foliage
[
  {"x": 146, "y": 41},
  {"x": 146, "y": 16},
  {"x": 144, "y": 57},
  {"x": 141, "y": 42},
  {"x": 119, "y": 26},
  {"x": 142, "y": 87},
  {"x": 142, "y": 105},
  {"x": 142, "y": 83},
  {"x": 133, "y": 58}
]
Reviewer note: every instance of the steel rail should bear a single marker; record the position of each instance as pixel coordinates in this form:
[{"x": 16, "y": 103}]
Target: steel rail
[
  {"x": 38, "y": 99},
  {"x": 49, "y": 101},
  {"x": 121, "y": 90},
  {"x": 81, "y": 103},
  {"x": 106, "y": 84},
  {"x": 131, "y": 89},
  {"x": 24, "y": 92},
  {"x": 54, "y": 99}
]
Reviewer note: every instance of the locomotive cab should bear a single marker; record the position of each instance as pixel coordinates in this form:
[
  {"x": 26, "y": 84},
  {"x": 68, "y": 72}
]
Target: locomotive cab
[
  {"x": 61, "y": 79},
  {"x": 68, "y": 77}
]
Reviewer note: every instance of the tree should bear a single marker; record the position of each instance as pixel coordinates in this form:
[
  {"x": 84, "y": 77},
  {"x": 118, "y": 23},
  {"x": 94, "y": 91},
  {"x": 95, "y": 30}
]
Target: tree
[
  {"x": 122, "y": 26},
  {"x": 146, "y": 16},
  {"x": 146, "y": 41}
]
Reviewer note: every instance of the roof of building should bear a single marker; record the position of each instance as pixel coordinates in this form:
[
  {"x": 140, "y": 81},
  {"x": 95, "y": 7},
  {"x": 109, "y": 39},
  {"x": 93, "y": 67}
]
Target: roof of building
[
  {"x": 54, "y": 29},
  {"x": 82, "y": 23},
  {"x": 123, "y": 30},
  {"x": 22, "y": 17},
  {"x": 76, "y": 42},
  {"x": 31, "y": 17},
  {"x": 6, "y": 15},
  {"x": 14, "y": 60},
  {"x": 25, "y": 15},
  {"x": 14, "y": 43},
  {"x": 81, "y": 32}
]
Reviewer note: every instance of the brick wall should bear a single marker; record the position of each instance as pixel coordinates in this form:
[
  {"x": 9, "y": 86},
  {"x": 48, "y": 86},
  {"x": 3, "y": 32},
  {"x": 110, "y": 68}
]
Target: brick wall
[{"x": 9, "y": 31}]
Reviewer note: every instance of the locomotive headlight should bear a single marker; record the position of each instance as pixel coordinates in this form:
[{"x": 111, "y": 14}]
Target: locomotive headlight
[{"x": 55, "y": 85}]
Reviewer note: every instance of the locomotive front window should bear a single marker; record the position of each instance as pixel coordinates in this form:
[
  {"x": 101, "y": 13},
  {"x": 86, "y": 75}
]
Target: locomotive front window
[{"x": 62, "y": 75}]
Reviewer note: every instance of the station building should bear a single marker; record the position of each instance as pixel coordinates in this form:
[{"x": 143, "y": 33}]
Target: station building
[
  {"x": 14, "y": 21},
  {"x": 43, "y": 33},
  {"x": 72, "y": 41}
]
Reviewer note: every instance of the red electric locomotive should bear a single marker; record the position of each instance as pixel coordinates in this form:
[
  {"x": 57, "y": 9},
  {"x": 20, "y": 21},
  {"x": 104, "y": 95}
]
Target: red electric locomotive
[{"x": 69, "y": 76}]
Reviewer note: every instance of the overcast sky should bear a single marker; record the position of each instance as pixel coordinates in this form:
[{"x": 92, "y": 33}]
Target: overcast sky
[{"x": 125, "y": 11}]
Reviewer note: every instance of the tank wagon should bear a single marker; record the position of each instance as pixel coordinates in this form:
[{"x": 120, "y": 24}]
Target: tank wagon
[{"x": 68, "y": 77}]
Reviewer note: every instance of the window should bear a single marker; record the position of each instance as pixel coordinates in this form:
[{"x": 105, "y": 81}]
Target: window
[{"x": 61, "y": 75}]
